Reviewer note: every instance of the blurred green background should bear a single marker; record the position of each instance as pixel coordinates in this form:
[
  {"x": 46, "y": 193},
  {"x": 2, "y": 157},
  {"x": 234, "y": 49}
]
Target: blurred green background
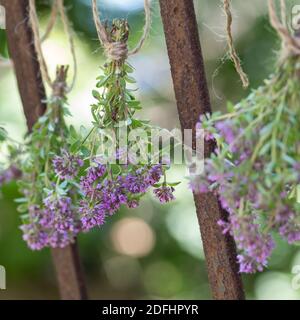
[{"x": 154, "y": 251}]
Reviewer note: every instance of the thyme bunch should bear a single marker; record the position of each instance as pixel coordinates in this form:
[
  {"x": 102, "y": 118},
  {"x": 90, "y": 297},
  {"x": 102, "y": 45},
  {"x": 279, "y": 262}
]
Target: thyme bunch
[{"x": 255, "y": 169}]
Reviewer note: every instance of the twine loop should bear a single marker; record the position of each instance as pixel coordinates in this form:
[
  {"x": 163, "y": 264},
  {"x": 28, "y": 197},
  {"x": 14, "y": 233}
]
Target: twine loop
[
  {"x": 58, "y": 7},
  {"x": 119, "y": 50}
]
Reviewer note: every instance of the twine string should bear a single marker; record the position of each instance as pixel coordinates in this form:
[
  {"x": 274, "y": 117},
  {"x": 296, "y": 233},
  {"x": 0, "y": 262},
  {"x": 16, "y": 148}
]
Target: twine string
[
  {"x": 69, "y": 33},
  {"x": 51, "y": 22},
  {"x": 232, "y": 51},
  {"x": 118, "y": 50},
  {"x": 147, "y": 28},
  {"x": 38, "y": 40}
]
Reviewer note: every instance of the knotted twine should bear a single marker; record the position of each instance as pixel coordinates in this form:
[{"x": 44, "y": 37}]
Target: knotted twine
[
  {"x": 58, "y": 7},
  {"x": 118, "y": 50}
]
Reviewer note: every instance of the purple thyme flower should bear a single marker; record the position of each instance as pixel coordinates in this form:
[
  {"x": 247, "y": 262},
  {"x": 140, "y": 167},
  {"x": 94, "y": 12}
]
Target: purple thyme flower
[
  {"x": 198, "y": 184},
  {"x": 91, "y": 217},
  {"x": 226, "y": 131},
  {"x": 290, "y": 231},
  {"x": 66, "y": 166},
  {"x": 53, "y": 226},
  {"x": 94, "y": 173},
  {"x": 36, "y": 239},
  {"x": 132, "y": 204},
  {"x": 33, "y": 233},
  {"x": 284, "y": 214},
  {"x": 164, "y": 194},
  {"x": 109, "y": 197},
  {"x": 113, "y": 195},
  {"x": 136, "y": 183},
  {"x": 10, "y": 174},
  {"x": 226, "y": 226},
  {"x": 59, "y": 218},
  {"x": 249, "y": 265},
  {"x": 201, "y": 132},
  {"x": 154, "y": 174},
  {"x": 252, "y": 243}
]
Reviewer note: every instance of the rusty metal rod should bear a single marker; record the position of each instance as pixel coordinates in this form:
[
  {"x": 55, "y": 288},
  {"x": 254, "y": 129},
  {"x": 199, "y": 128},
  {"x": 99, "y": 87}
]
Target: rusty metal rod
[
  {"x": 192, "y": 95},
  {"x": 22, "y": 52}
]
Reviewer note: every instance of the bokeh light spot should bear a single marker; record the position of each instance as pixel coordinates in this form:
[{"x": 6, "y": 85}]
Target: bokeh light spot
[{"x": 133, "y": 237}]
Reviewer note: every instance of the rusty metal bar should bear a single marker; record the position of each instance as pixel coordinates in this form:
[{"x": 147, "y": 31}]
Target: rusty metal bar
[
  {"x": 69, "y": 273},
  {"x": 193, "y": 99},
  {"x": 32, "y": 92}
]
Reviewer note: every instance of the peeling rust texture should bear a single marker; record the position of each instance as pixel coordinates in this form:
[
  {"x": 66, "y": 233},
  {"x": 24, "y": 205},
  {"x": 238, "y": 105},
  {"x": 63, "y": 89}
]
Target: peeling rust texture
[
  {"x": 32, "y": 92},
  {"x": 193, "y": 99}
]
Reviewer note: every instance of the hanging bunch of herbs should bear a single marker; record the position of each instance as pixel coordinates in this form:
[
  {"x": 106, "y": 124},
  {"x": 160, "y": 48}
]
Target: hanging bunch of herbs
[
  {"x": 71, "y": 181},
  {"x": 119, "y": 171},
  {"x": 255, "y": 168},
  {"x": 50, "y": 217}
]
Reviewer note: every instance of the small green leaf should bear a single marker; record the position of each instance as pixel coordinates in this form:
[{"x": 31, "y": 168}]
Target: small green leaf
[
  {"x": 21, "y": 200},
  {"x": 85, "y": 151},
  {"x": 96, "y": 94},
  {"x": 22, "y": 208},
  {"x": 3, "y": 134},
  {"x": 130, "y": 79},
  {"x": 73, "y": 132},
  {"x": 63, "y": 185},
  {"x": 75, "y": 146},
  {"x": 103, "y": 81},
  {"x": 173, "y": 184}
]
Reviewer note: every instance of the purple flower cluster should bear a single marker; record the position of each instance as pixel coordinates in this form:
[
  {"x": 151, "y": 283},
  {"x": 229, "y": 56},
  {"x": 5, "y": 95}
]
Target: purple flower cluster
[
  {"x": 208, "y": 136},
  {"x": 105, "y": 194},
  {"x": 255, "y": 247},
  {"x": 287, "y": 224},
  {"x": 91, "y": 216},
  {"x": 54, "y": 225},
  {"x": 33, "y": 233},
  {"x": 10, "y": 174},
  {"x": 57, "y": 221},
  {"x": 246, "y": 181},
  {"x": 66, "y": 166},
  {"x": 90, "y": 181},
  {"x": 164, "y": 194}
]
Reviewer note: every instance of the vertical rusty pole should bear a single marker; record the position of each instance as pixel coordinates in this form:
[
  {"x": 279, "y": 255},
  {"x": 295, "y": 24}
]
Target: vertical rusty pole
[
  {"x": 32, "y": 92},
  {"x": 192, "y": 95}
]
